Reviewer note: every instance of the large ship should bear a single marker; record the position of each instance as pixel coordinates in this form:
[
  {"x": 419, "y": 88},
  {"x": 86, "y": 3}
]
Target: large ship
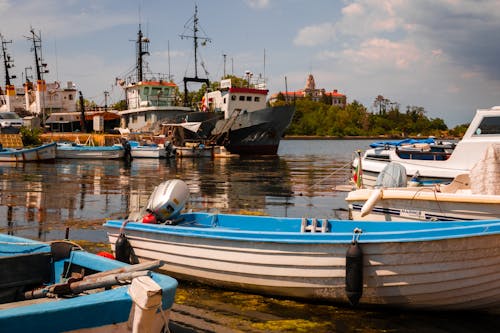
[
  {"x": 249, "y": 126},
  {"x": 242, "y": 122}
]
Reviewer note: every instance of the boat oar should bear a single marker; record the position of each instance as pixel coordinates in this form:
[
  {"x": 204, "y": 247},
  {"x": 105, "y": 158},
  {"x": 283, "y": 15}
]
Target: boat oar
[
  {"x": 73, "y": 287},
  {"x": 113, "y": 273},
  {"x": 148, "y": 265}
]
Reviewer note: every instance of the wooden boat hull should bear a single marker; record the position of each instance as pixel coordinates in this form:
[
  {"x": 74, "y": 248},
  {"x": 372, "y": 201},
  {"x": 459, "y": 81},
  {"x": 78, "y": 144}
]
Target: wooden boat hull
[
  {"x": 411, "y": 265},
  {"x": 423, "y": 204},
  {"x": 40, "y": 153},
  {"x": 98, "y": 311}
]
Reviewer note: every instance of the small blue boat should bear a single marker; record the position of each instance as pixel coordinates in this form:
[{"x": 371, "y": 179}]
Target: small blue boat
[
  {"x": 32, "y": 154},
  {"x": 58, "y": 287},
  {"x": 79, "y": 151}
]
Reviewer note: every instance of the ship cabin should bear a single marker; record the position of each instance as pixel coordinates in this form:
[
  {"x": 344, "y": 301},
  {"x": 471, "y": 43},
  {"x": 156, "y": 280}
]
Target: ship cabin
[
  {"x": 148, "y": 102},
  {"x": 230, "y": 99},
  {"x": 150, "y": 93}
]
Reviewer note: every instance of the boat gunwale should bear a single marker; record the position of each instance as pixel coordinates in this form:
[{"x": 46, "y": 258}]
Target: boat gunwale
[{"x": 420, "y": 232}]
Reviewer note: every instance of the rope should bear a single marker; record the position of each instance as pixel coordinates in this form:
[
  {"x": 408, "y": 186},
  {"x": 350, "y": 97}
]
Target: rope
[{"x": 343, "y": 167}]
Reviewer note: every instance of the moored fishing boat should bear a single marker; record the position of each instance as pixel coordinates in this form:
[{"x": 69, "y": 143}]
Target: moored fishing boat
[
  {"x": 28, "y": 154},
  {"x": 151, "y": 150},
  {"x": 431, "y": 266},
  {"x": 58, "y": 287},
  {"x": 79, "y": 151}
]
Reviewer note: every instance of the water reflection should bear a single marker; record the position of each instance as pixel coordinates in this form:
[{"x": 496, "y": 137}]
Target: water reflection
[{"x": 42, "y": 199}]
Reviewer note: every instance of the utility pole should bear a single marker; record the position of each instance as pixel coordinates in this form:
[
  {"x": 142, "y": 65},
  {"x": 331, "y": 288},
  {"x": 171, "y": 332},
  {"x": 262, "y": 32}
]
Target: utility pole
[{"x": 106, "y": 94}]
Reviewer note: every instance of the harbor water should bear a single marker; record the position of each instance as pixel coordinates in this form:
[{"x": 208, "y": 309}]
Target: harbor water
[{"x": 44, "y": 200}]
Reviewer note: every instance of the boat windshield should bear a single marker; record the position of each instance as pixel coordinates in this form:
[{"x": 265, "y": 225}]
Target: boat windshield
[{"x": 489, "y": 125}]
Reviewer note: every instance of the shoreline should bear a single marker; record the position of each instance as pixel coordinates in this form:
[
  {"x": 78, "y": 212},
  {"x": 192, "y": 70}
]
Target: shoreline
[{"x": 361, "y": 137}]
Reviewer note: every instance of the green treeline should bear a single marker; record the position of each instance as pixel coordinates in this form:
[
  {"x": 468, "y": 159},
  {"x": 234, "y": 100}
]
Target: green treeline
[{"x": 320, "y": 119}]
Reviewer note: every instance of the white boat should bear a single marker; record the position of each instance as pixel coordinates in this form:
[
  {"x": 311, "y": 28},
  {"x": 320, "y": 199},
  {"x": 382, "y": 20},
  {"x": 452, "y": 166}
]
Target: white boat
[
  {"x": 58, "y": 287},
  {"x": 431, "y": 266},
  {"x": 39, "y": 153},
  {"x": 482, "y": 131},
  {"x": 152, "y": 150},
  {"x": 197, "y": 150},
  {"x": 79, "y": 151},
  {"x": 470, "y": 196},
  {"x": 453, "y": 202}
]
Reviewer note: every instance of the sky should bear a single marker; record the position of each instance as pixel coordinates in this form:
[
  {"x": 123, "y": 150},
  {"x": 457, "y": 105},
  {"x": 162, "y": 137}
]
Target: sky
[{"x": 442, "y": 55}]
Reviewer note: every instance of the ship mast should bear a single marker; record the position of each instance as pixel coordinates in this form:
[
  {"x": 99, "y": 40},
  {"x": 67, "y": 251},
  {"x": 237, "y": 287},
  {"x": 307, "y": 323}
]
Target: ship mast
[
  {"x": 142, "y": 49},
  {"x": 7, "y": 61},
  {"x": 41, "y": 67},
  {"x": 195, "y": 38}
]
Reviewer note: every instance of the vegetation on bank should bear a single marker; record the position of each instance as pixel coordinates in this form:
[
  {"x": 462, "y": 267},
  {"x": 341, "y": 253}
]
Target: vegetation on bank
[{"x": 321, "y": 119}]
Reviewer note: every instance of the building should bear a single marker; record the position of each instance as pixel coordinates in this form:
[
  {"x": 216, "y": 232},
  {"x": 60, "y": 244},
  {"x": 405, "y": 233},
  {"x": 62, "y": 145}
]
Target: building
[{"x": 316, "y": 95}]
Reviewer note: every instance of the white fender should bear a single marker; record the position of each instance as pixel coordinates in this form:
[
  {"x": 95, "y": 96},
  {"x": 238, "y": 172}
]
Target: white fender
[{"x": 376, "y": 195}]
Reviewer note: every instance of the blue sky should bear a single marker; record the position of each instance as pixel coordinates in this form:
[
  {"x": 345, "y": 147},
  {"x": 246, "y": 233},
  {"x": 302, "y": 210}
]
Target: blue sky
[{"x": 442, "y": 55}]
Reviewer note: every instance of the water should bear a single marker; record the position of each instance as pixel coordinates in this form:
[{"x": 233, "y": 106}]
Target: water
[{"x": 41, "y": 200}]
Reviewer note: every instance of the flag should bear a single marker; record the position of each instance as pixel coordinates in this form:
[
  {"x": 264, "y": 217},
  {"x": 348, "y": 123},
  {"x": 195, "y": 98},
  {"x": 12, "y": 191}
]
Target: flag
[
  {"x": 204, "y": 104},
  {"x": 357, "y": 176}
]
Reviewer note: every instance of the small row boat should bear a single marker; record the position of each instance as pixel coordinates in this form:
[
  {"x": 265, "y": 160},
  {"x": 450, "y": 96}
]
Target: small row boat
[
  {"x": 432, "y": 266},
  {"x": 79, "y": 151},
  {"x": 40, "y": 153},
  {"x": 58, "y": 287}
]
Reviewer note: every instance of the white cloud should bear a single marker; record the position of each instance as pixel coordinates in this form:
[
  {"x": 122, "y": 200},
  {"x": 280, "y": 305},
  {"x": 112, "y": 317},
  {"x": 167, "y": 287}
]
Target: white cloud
[
  {"x": 353, "y": 9},
  {"x": 259, "y": 4},
  {"x": 315, "y": 35},
  {"x": 377, "y": 52}
]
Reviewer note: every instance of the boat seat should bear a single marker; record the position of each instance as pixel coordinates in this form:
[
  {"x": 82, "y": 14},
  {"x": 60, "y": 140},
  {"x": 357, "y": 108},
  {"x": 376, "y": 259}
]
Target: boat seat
[
  {"x": 22, "y": 271},
  {"x": 25, "y": 269},
  {"x": 313, "y": 226}
]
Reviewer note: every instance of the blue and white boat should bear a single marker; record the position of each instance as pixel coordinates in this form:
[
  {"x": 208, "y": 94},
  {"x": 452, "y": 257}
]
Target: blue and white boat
[
  {"x": 58, "y": 287},
  {"x": 75, "y": 150},
  {"x": 431, "y": 266},
  {"x": 33, "y": 154}
]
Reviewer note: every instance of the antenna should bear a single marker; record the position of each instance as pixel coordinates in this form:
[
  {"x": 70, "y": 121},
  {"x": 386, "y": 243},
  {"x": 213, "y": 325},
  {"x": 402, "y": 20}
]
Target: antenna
[{"x": 168, "y": 56}]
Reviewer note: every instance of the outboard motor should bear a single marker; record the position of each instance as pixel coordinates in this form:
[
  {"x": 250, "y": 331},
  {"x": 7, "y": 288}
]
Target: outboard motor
[
  {"x": 168, "y": 199},
  {"x": 128, "y": 150}
]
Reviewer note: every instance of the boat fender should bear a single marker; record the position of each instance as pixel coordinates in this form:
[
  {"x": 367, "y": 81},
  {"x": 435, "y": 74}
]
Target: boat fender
[
  {"x": 128, "y": 150},
  {"x": 376, "y": 195},
  {"x": 354, "y": 273},
  {"x": 123, "y": 249}
]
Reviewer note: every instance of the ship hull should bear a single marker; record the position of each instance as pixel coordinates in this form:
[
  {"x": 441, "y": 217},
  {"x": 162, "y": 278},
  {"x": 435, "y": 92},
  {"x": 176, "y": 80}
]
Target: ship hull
[{"x": 255, "y": 133}]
